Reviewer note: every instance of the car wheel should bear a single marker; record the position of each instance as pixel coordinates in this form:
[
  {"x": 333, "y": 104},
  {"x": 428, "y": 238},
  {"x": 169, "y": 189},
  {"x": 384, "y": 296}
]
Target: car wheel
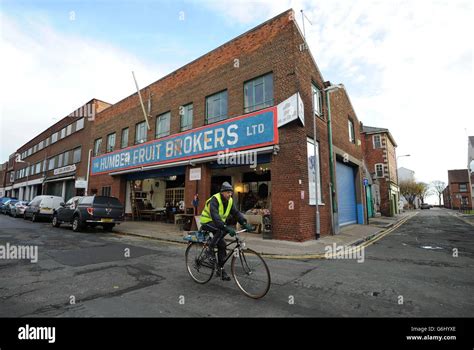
[
  {"x": 76, "y": 224},
  {"x": 55, "y": 222},
  {"x": 34, "y": 218}
]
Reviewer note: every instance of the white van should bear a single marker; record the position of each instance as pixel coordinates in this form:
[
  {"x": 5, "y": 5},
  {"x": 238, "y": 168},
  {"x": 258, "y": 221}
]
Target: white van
[{"x": 42, "y": 207}]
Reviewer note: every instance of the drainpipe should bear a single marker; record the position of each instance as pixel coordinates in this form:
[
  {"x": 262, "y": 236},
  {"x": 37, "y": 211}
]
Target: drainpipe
[
  {"x": 334, "y": 213},
  {"x": 88, "y": 169}
]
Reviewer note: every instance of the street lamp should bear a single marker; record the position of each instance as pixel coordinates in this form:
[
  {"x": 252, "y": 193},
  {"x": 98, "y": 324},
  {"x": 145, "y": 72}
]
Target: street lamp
[{"x": 328, "y": 90}]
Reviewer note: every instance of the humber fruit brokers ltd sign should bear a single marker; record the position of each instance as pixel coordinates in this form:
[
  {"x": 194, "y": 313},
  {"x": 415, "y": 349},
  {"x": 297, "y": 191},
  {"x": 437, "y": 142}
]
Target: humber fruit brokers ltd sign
[{"x": 241, "y": 133}]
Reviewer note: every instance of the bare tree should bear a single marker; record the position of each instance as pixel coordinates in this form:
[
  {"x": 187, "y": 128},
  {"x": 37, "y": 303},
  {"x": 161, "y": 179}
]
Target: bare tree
[
  {"x": 423, "y": 190},
  {"x": 408, "y": 189},
  {"x": 438, "y": 187}
]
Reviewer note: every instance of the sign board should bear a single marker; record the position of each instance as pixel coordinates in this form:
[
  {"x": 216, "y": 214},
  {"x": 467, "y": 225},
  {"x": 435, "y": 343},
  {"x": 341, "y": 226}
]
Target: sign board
[
  {"x": 249, "y": 131},
  {"x": 291, "y": 109},
  {"x": 64, "y": 169},
  {"x": 81, "y": 184},
  {"x": 195, "y": 174},
  {"x": 313, "y": 169}
]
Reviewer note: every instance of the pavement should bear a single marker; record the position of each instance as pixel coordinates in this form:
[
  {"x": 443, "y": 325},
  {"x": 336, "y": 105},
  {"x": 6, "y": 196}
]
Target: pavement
[
  {"x": 468, "y": 218},
  {"x": 351, "y": 235}
]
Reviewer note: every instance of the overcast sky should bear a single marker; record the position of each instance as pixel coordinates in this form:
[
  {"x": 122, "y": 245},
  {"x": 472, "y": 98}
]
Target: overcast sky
[{"x": 407, "y": 65}]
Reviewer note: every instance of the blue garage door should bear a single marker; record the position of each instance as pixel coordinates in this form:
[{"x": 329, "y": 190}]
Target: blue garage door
[{"x": 346, "y": 194}]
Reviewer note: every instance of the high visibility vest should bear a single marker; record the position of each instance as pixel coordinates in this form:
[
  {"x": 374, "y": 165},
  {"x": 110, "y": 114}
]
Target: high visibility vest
[{"x": 206, "y": 213}]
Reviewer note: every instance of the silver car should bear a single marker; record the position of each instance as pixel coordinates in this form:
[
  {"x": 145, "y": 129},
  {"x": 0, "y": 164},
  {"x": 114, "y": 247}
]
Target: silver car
[{"x": 18, "y": 209}]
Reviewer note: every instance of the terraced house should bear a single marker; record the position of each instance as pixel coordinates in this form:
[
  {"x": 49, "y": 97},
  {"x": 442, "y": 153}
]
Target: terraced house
[{"x": 260, "y": 94}]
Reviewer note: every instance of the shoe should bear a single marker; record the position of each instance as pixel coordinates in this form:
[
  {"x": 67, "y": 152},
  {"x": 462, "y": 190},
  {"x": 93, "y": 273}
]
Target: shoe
[
  {"x": 222, "y": 274},
  {"x": 211, "y": 256}
]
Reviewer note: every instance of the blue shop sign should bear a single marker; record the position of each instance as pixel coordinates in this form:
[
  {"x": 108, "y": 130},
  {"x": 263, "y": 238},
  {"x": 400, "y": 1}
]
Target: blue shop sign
[{"x": 241, "y": 133}]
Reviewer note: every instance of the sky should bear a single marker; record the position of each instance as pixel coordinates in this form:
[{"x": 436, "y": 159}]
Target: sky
[{"x": 407, "y": 65}]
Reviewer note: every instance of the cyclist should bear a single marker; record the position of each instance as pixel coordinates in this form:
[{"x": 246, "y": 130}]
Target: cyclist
[{"x": 213, "y": 218}]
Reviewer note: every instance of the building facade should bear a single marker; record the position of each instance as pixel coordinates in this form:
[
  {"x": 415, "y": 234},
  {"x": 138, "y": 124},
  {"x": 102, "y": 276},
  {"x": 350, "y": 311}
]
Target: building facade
[
  {"x": 260, "y": 94},
  {"x": 457, "y": 194},
  {"x": 380, "y": 157},
  {"x": 55, "y": 162}
]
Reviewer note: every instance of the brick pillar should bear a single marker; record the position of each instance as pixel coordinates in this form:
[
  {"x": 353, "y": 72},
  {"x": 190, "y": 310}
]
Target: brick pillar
[{"x": 202, "y": 186}]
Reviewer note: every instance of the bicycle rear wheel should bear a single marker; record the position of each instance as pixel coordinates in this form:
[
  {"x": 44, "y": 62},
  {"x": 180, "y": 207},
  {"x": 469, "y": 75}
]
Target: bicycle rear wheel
[
  {"x": 199, "y": 268},
  {"x": 251, "y": 273}
]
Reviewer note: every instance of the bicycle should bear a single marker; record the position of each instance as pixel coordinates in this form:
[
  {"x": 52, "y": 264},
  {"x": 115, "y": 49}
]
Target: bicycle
[{"x": 248, "y": 268}]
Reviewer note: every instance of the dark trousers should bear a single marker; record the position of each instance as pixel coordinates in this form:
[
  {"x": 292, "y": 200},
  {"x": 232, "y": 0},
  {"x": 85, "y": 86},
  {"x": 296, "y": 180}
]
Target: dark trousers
[{"x": 218, "y": 240}]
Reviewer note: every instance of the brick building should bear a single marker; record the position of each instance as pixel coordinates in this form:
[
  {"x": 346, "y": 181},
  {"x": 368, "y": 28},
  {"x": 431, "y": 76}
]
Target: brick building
[
  {"x": 381, "y": 160},
  {"x": 55, "y": 161},
  {"x": 3, "y": 175},
  {"x": 259, "y": 93},
  {"x": 457, "y": 195}
]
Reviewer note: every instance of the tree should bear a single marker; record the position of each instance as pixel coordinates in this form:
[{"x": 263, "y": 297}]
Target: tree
[
  {"x": 423, "y": 190},
  {"x": 409, "y": 190},
  {"x": 438, "y": 187}
]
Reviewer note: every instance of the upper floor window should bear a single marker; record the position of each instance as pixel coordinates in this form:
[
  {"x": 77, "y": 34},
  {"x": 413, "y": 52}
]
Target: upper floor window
[
  {"x": 377, "y": 141},
  {"x": 97, "y": 144},
  {"x": 54, "y": 137},
  {"x": 351, "y": 131},
  {"x": 216, "y": 107},
  {"x": 124, "y": 140},
  {"x": 258, "y": 93},
  {"x": 140, "y": 132},
  {"x": 317, "y": 101},
  {"x": 186, "y": 113},
  {"x": 379, "y": 170},
  {"x": 462, "y": 187},
  {"x": 69, "y": 130},
  {"x": 76, "y": 156},
  {"x": 163, "y": 125},
  {"x": 79, "y": 124},
  {"x": 63, "y": 133},
  {"x": 110, "y": 142}
]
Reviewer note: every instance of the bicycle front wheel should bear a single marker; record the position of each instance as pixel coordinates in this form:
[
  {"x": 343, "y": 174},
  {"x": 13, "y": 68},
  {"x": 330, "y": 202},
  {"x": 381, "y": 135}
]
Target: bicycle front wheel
[
  {"x": 199, "y": 268},
  {"x": 251, "y": 273}
]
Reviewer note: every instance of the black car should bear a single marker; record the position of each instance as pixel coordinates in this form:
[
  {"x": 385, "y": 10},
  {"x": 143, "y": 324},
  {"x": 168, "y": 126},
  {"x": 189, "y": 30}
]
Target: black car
[{"x": 89, "y": 211}]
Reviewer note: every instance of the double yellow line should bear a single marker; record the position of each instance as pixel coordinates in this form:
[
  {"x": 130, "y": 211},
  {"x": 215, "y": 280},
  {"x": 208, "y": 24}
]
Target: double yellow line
[{"x": 350, "y": 251}]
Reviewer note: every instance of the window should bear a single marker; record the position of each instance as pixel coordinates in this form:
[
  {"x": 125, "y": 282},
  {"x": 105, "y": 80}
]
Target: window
[
  {"x": 351, "y": 131},
  {"x": 30, "y": 151},
  {"x": 35, "y": 148},
  {"x": 163, "y": 125},
  {"x": 68, "y": 130},
  {"x": 54, "y": 137},
  {"x": 317, "y": 101},
  {"x": 51, "y": 163},
  {"x": 66, "y": 158},
  {"x": 46, "y": 142},
  {"x": 377, "y": 141},
  {"x": 38, "y": 168},
  {"x": 216, "y": 107},
  {"x": 106, "y": 191},
  {"x": 124, "y": 140},
  {"x": 32, "y": 169},
  {"x": 76, "y": 157},
  {"x": 63, "y": 133},
  {"x": 186, "y": 113},
  {"x": 110, "y": 142},
  {"x": 462, "y": 187},
  {"x": 60, "y": 160},
  {"x": 44, "y": 165},
  {"x": 40, "y": 145},
  {"x": 379, "y": 170},
  {"x": 258, "y": 93},
  {"x": 27, "y": 171},
  {"x": 80, "y": 124},
  {"x": 140, "y": 133},
  {"x": 97, "y": 144}
]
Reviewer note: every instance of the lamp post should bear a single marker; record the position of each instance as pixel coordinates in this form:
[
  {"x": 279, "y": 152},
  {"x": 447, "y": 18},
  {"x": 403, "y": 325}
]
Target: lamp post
[{"x": 328, "y": 90}]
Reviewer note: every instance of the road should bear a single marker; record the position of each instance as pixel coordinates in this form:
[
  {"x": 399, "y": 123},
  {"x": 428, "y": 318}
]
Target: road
[{"x": 425, "y": 268}]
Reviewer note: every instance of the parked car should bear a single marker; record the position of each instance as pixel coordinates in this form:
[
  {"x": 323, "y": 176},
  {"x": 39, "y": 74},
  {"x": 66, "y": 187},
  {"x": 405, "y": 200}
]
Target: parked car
[
  {"x": 425, "y": 206},
  {"x": 3, "y": 201},
  {"x": 18, "y": 209},
  {"x": 42, "y": 207},
  {"x": 93, "y": 211},
  {"x": 6, "y": 206}
]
